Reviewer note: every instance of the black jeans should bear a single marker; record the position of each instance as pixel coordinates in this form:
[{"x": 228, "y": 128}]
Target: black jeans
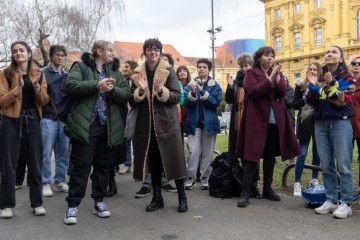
[
  {"x": 156, "y": 166},
  {"x": 96, "y": 153},
  {"x": 16, "y": 132}
]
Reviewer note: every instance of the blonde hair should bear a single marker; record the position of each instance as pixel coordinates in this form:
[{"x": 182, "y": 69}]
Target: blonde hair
[
  {"x": 100, "y": 44},
  {"x": 352, "y": 58}
]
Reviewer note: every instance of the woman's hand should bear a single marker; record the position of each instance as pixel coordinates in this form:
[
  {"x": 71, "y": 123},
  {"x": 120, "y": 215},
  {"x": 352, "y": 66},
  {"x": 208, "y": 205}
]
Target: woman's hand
[
  {"x": 230, "y": 80},
  {"x": 35, "y": 81},
  {"x": 274, "y": 76},
  {"x": 20, "y": 79},
  {"x": 157, "y": 85},
  {"x": 312, "y": 78},
  {"x": 143, "y": 83},
  {"x": 328, "y": 78}
]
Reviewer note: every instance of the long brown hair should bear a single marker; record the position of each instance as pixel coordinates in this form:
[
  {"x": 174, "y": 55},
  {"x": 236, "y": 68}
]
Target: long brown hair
[{"x": 10, "y": 72}]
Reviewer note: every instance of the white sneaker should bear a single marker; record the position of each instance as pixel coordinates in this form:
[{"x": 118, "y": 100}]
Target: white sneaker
[
  {"x": 297, "y": 190},
  {"x": 342, "y": 211},
  {"x": 46, "y": 190},
  {"x": 314, "y": 182},
  {"x": 39, "y": 211},
  {"x": 327, "y": 207},
  {"x": 61, "y": 187},
  {"x": 124, "y": 169},
  {"x": 190, "y": 184},
  {"x": 6, "y": 213}
]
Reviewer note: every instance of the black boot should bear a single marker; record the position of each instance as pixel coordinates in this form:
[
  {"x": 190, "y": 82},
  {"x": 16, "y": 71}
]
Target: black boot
[
  {"x": 268, "y": 169},
  {"x": 183, "y": 207},
  {"x": 249, "y": 173},
  {"x": 157, "y": 201}
]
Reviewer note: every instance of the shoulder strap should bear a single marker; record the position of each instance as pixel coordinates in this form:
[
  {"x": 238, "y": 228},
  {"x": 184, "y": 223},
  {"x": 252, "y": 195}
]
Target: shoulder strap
[{"x": 83, "y": 68}]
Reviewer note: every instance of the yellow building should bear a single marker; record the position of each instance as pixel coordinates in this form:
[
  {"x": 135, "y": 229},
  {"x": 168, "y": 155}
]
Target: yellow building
[{"x": 301, "y": 30}]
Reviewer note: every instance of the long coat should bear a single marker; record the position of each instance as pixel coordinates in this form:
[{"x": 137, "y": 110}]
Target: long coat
[
  {"x": 167, "y": 128},
  {"x": 355, "y": 121},
  {"x": 261, "y": 96}
]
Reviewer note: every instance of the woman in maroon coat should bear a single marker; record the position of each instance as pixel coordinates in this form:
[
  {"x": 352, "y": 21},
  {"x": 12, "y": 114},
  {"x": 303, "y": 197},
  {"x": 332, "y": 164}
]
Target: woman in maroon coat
[{"x": 266, "y": 130}]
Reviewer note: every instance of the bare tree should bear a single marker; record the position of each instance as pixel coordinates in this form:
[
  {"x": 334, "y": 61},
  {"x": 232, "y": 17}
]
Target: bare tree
[{"x": 59, "y": 22}]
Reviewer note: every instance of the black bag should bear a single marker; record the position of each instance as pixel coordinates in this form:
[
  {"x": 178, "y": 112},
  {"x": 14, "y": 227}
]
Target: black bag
[{"x": 225, "y": 180}]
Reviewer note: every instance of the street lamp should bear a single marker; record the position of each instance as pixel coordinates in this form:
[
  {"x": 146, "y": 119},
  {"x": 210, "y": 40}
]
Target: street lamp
[{"x": 212, "y": 32}]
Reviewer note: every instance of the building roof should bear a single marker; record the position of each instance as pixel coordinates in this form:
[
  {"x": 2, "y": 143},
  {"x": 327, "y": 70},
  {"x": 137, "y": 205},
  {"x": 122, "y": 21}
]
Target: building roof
[
  {"x": 223, "y": 59},
  {"x": 134, "y": 50}
]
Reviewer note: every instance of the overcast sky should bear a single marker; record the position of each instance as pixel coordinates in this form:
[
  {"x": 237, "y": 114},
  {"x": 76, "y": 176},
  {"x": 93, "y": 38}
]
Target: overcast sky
[{"x": 184, "y": 23}]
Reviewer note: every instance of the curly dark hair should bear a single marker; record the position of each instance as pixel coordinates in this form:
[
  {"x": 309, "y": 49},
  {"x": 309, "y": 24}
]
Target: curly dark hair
[
  {"x": 169, "y": 57},
  {"x": 260, "y": 52},
  {"x": 152, "y": 43},
  {"x": 206, "y": 61},
  {"x": 132, "y": 64}
]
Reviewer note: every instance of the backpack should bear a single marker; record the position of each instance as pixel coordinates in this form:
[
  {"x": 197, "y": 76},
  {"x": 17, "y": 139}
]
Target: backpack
[
  {"x": 60, "y": 99},
  {"x": 225, "y": 180}
]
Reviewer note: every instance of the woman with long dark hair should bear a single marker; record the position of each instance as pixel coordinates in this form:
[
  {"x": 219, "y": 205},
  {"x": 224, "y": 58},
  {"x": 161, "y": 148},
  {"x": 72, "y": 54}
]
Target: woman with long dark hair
[
  {"x": 265, "y": 129},
  {"x": 22, "y": 94},
  {"x": 331, "y": 97}
]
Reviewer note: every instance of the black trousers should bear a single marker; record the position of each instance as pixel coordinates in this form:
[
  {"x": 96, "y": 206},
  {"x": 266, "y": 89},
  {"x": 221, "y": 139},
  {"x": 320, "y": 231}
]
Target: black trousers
[
  {"x": 23, "y": 131},
  {"x": 156, "y": 166},
  {"x": 21, "y": 167},
  {"x": 83, "y": 156}
]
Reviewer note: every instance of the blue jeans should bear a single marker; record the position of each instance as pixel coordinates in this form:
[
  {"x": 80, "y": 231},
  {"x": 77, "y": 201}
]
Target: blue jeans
[
  {"x": 128, "y": 153},
  {"x": 300, "y": 161},
  {"x": 334, "y": 141},
  {"x": 148, "y": 181},
  {"x": 53, "y": 137}
]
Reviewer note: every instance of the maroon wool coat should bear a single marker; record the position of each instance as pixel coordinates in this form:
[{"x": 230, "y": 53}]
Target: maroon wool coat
[{"x": 261, "y": 96}]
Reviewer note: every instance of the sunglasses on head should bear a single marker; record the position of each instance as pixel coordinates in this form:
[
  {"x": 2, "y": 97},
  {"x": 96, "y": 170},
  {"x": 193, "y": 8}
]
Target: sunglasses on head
[{"x": 355, "y": 64}]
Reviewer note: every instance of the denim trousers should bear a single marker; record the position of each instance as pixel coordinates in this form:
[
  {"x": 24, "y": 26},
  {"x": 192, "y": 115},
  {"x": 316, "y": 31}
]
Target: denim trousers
[
  {"x": 300, "y": 161},
  {"x": 334, "y": 142},
  {"x": 54, "y": 138}
]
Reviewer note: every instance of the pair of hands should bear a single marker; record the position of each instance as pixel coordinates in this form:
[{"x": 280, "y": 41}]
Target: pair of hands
[
  {"x": 34, "y": 81},
  {"x": 143, "y": 83},
  {"x": 106, "y": 84},
  {"x": 274, "y": 76},
  {"x": 194, "y": 85},
  {"x": 312, "y": 78}
]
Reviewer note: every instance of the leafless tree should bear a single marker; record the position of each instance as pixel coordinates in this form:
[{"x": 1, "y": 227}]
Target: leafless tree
[{"x": 37, "y": 22}]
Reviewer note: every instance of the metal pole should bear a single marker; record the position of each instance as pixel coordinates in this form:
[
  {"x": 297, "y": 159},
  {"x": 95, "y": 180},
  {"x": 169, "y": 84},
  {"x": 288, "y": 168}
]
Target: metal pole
[{"x": 212, "y": 39}]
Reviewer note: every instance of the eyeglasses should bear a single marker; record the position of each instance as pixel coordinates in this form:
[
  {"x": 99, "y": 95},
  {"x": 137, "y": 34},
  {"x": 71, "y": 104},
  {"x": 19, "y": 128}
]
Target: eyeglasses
[
  {"x": 153, "y": 50},
  {"x": 355, "y": 64}
]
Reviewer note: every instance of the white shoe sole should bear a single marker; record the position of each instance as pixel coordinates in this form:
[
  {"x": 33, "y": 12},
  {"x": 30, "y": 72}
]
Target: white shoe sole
[
  {"x": 56, "y": 189},
  {"x": 297, "y": 195},
  {"x": 342, "y": 216},
  {"x": 70, "y": 221},
  {"x": 101, "y": 215}
]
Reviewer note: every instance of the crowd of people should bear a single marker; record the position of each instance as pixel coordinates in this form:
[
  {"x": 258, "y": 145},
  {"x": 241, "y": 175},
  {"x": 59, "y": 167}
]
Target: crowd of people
[{"x": 168, "y": 105}]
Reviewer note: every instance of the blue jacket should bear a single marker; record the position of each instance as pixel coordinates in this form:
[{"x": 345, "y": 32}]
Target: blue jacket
[{"x": 209, "y": 99}]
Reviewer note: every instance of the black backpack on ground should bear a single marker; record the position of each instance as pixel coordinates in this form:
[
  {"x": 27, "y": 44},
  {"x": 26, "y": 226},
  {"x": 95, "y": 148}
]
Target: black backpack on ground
[{"x": 225, "y": 180}]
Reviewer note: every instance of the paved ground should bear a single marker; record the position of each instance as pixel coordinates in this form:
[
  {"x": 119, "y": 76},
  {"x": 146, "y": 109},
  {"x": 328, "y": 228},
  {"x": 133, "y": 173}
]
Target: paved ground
[{"x": 208, "y": 218}]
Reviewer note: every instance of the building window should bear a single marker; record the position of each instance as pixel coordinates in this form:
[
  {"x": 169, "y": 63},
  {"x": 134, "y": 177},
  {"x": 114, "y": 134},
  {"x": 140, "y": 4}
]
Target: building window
[
  {"x": 296, "y": 7},
  {"x": 318, "y": 36},
  {"x": 297, "y": 76},
  {"x": 278, "y": 44},
  {"x": 317, "y": 3},
  {"x": 358, "y": 24},
  {"x": 297, "y": 41},
  {"x": 277, "y": 13}
]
